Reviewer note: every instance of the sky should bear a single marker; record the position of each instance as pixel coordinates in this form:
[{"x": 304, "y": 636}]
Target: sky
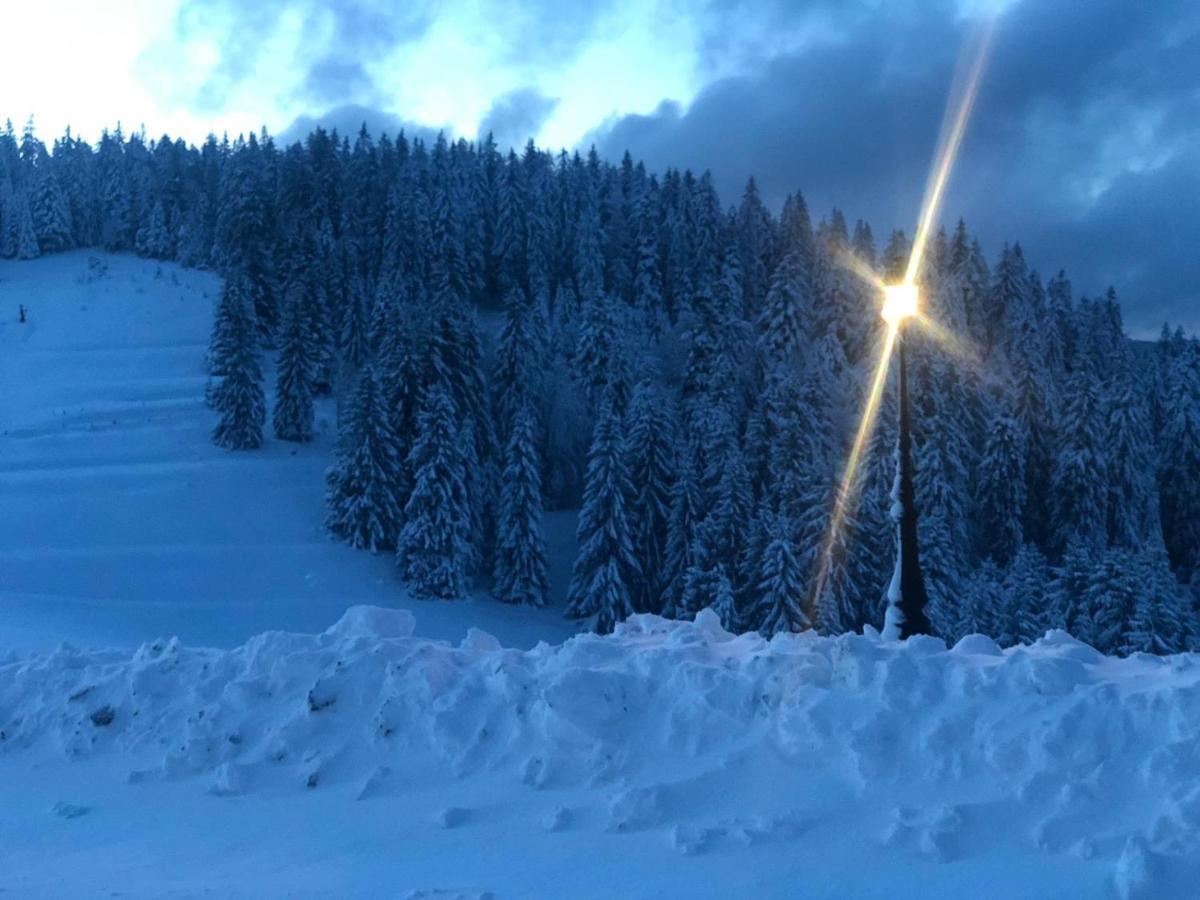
[{"x": 1084, "y": 143}]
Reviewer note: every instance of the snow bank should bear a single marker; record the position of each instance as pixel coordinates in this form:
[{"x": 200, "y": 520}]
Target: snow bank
[{"x": 714, "y": 740}]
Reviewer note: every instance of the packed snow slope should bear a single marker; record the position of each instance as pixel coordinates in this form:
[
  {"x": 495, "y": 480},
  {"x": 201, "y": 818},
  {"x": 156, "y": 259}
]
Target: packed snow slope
[
  {"x": 669, "y": 760},
  {"x": 120, "y": 521}
]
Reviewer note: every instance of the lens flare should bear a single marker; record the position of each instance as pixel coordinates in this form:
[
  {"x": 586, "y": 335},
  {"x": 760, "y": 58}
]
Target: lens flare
[
  {"x": 953, "y": 128},
  {"x": 847, "y": 498},
  {"x": 900, "y": 300},
  {"x": 961, "y": 349}
]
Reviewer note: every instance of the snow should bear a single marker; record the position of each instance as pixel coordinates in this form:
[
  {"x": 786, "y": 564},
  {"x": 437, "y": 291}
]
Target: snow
[
  {"x": 232, "y": 741},
  {"x": 122, "y": 522},
  {"x": 669, "y": 759}
]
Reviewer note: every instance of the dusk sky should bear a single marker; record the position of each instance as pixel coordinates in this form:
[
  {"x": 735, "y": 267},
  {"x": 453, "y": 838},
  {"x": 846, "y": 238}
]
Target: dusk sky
[{"x": 1084, "y": 145}]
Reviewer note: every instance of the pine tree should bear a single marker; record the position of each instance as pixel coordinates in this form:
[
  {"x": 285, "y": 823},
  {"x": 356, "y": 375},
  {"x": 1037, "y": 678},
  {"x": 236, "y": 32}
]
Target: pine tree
[
  {"x": 1111, "y": 598},
  {"x": 363, "y": 487},
  {"x": 1132, "y": 510},
  {"x": 724, "y": 602},
  {"x": 1162, "y": 616},
  {"x": 1080, "y": 472},
  {"x": 605, "y": 568},
  {"x": 433, "y": 551},
  {"x": 984, "y": 603},
  {"x": 50, "y": 214},
  {"x": 1027, "y": 581},
  {"x": 1000, "y": 491},
  {"x": 25, "y": 236},
  {"x": 239, "y": 399},
  {"x": 651, "y": 468},
  {"x": 1179, "y": 465},
  {"x": 521, "y": 548},
  {"x": 293, "y": 413},
  {"x": 687, "y": 511},
  {"x": 782, "y": 583}
]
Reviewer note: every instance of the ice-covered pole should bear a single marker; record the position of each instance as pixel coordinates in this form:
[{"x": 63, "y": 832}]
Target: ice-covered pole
[{"x": 906, "y": 594}]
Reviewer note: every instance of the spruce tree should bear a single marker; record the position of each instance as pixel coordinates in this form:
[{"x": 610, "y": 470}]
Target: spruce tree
[
  {"x": 363, "y": 487},
  {"x": 1179, "y": 465},
  {"x": 239, "y": 399},
  {"x": 1000, "y": 491},
  {"x": 520, "y": 569},
  {"x": 1162, "y": 617},
  {"x": 605, "y": 567},
  {"x": 1080, "y": 472},
  {"x": 782, "y": 583},
  {"x": 293, "y": 413},
  {"x": 1111, "y": 599},
  {"x": 434, "y": 551},
  {"x": 1028, "y": 583},
  {"x": 651, "y": 466}
]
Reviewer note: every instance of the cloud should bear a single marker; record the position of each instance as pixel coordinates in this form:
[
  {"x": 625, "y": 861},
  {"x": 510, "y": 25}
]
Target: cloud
[
  {"x": 314, "y": 47},
  {"x": 347, "y": 120},
  {"x": 1081, "y": 146},
  {"x": 516, "y": 117}
]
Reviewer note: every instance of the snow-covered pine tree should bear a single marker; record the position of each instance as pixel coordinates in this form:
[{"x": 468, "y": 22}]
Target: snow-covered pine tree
[
  {"x": 1111, "y": 599},
  {"x": 154, "y": 238},
  {"x": 1179, "y": 464},
  {"x": 651, "y": 465},
  {"x": 605, "y": 567},
  {"x": 295, "y": 371},
  {"x": 239, "y": 399},
  {"x": 362, "y": 495},
  {"x": 984, "y": 602},
  {"x": 1080, "y": 472},
  {"x": 782, "y": 583},
  {"x": 1027, "y": 582},
  {"x": 26, "y": 242},
  {"x": 50, "y": 212},
  {"x": 433, "y": 551},
  {"x": 1162, "y": 619},
  {"x": 1132, "y": 508},
  {"x": 520, "y": 568},
  {"x": 1000, "y": 491}
]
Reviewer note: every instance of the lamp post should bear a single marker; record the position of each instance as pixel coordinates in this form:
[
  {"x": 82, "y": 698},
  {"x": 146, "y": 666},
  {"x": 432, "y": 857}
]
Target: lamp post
[{"x": 906, "y": 594}]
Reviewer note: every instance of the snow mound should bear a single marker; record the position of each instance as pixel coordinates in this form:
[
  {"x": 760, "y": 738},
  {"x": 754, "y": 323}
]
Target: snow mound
[{"x": 713, "y": 740}]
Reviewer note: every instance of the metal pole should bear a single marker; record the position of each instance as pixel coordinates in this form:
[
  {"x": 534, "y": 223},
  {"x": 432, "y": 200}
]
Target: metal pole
[{"x": 913, "y": 598}]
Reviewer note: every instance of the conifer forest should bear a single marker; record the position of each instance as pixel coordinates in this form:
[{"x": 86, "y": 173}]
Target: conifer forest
[{"x": 507, "y": 333}]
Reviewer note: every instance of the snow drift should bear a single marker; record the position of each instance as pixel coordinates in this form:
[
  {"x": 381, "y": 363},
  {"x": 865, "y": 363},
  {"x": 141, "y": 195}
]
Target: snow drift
[{"x": 970, "y": 756}]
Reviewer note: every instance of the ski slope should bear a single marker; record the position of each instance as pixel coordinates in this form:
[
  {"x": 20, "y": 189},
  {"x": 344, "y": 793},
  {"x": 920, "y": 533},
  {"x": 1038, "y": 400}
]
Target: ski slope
[
  {"x": 669, "y": 760},
  {"x": 120, "y": 522}
]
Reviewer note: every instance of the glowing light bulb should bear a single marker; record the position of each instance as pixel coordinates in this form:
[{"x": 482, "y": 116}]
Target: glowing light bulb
[{"x": 899, "y": 302}]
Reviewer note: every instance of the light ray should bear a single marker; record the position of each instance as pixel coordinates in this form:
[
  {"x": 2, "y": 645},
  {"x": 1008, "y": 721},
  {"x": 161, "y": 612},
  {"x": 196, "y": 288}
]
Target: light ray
[
  {"x": 960, "y": 349},
  {"x": 953, "y": 128},
  {"x": 846, "y": 499},
  {"x": 859, "y": 267},
  {"x": 954, "y": 124}
]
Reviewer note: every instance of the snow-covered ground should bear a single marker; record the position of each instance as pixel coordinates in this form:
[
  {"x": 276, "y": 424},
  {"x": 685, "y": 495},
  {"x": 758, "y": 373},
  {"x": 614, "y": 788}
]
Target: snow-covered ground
[
  {"x": 120, "y": 522},
  {"x": 671, "y": 760},
  {"x": 413, "y": 757}
]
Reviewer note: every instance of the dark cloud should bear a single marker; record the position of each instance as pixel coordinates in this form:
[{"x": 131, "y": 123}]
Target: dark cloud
[
  {"x": 335, "y": 37},
  {"x": 333, "y": 80},
  {"x": 516, "y": 117},
  {"x": 349, "y": 119},
  {"x": 1082, "y": 145}
]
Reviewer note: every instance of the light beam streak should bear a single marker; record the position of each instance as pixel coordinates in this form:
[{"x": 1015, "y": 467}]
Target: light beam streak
[
  {"x": 954, "y": 125},
  {"x": 846, "y": 498},
  {"x": 953, "y": 128},
  {"x": 962, "y": 350}
]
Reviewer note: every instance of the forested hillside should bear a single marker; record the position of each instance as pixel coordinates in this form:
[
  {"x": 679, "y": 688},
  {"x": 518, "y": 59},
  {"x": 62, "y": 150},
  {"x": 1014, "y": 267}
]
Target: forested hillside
[{"x": 508, "y": 333}]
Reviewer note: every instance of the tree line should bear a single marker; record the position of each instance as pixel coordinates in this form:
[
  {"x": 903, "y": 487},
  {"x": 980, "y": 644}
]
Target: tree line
[{"x": 513, "y": 332}]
